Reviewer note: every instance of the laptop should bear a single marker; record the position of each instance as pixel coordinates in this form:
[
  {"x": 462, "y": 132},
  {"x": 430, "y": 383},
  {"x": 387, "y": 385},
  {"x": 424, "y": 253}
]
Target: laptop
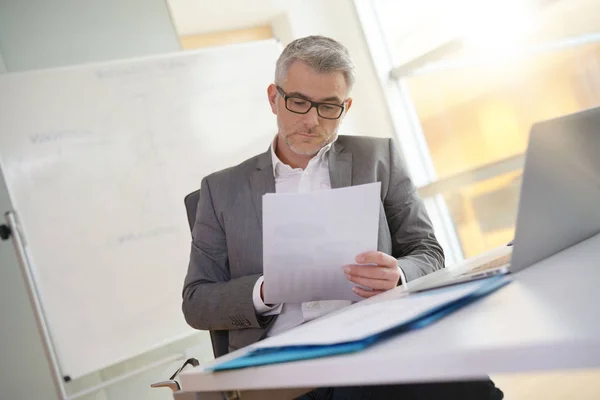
[{"x": 559, "y": 203}]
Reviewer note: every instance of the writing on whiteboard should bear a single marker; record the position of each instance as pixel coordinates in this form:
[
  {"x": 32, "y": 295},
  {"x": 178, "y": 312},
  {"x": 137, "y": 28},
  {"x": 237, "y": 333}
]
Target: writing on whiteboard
[
  {"x": 152, "y": 233},
  {"x": 59, "y": 134}
]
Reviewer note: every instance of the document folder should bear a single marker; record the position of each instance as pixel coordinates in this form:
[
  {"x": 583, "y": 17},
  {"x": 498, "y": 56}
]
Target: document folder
[{"x": 460, "y": 296}]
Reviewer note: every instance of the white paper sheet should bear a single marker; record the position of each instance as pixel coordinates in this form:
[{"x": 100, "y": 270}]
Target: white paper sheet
[
  {"x": 309, "y": 237},
  {"x": 361, "y": 321}
]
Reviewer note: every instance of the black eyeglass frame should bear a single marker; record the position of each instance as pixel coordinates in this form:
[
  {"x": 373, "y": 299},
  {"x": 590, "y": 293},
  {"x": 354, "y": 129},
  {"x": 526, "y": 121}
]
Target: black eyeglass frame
[{"x": 313, "y": 104}]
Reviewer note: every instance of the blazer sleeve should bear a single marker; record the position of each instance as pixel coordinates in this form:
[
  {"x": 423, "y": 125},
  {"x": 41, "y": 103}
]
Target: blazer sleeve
[
  {"x": 211, "y": 299},
  {"x": 413, "y": 241}
]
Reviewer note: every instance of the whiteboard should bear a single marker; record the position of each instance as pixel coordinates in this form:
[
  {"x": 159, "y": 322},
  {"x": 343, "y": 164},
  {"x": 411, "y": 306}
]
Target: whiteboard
[{"x": 98, "y": 159}]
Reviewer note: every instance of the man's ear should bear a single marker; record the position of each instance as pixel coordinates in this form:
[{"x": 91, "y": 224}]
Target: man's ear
[
  {"x": 272, "y": 94},
  {"x": 348, "y": 104}
]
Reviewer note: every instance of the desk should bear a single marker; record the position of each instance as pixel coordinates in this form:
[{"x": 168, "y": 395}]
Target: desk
[{"x": 546, "y": 319}]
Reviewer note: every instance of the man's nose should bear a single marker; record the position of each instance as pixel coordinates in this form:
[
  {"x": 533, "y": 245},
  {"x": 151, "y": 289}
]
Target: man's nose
[{"x": 311, "y": 118}]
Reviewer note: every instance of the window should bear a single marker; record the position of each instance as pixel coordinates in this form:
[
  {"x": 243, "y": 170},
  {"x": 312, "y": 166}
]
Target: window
[{"x": 477, "y": 78}]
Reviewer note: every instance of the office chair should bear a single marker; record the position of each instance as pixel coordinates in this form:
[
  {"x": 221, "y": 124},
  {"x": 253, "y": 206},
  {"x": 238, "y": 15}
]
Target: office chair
[{"x": 219, "y": 339}]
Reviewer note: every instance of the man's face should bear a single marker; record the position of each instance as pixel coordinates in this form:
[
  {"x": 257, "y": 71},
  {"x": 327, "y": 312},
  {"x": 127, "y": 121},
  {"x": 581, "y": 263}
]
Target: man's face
[{"x": 306, "y": 134}]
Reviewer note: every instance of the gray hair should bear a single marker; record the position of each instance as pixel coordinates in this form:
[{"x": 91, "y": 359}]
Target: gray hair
[{"x": 320, "y": 53}]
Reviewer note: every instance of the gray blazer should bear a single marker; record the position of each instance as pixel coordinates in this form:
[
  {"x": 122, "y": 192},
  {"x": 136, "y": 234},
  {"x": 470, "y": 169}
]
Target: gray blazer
[{"x": 226, "y": 251}]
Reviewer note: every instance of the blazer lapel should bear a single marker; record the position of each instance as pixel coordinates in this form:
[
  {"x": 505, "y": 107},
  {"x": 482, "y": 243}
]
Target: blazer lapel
[
  {"x": 262, "y": 181},
  {"x": 340, "y": 166}
]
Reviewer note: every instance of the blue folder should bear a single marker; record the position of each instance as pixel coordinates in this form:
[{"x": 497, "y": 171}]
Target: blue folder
[{"x": 274, "y": 355}]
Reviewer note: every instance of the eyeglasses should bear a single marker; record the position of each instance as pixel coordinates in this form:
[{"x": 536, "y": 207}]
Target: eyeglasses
[{"x": 300, "y": 105}]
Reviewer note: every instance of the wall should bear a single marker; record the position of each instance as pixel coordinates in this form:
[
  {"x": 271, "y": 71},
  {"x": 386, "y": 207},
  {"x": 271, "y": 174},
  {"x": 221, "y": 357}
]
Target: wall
[
  {"x": 2, "y": 67},
  {"x": 39, "y": 34},
  {"x": 222, "y": 38}
]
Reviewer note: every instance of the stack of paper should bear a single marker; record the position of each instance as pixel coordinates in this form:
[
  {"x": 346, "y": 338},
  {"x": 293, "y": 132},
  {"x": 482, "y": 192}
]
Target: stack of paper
[{"x": 309, "y": 237}]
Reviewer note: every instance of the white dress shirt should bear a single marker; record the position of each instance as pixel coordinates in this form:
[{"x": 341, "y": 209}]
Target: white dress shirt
[{"x": 288, "y": 180}]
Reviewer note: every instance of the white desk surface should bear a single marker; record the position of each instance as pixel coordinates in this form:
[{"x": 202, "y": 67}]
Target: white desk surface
[{"x": 546, "y": 319}]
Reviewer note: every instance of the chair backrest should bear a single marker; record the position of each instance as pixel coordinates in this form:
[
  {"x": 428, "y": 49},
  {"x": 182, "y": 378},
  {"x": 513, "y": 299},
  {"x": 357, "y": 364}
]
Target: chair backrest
[{"x": 219, "y": 339}]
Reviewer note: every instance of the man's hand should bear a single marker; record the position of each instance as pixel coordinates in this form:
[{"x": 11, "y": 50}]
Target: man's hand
[{"x": 381, "y": 277}]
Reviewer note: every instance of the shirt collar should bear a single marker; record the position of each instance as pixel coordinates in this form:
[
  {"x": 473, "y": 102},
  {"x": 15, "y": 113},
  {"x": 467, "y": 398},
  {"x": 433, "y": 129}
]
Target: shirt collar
[{"x": 276, "y": 161}]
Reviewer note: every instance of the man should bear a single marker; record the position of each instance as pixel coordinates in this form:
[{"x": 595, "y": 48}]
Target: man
[{"x": 223, "y": 287}]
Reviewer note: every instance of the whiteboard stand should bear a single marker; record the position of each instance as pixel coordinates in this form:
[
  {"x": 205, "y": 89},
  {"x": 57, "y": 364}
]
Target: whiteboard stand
[{"x": 40, "y": 320}]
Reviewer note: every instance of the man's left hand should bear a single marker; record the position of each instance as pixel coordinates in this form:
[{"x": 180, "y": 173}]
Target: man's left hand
[{"x": 381, "y": 277}]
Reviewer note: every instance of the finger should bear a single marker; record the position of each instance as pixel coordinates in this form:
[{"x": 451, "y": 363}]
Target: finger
[
  {"x": 366, "y": 293},
  {"x": 377, "y": 257},
  {"x": 371, "y": 272},
  {"x": 376, "y": 284}
]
